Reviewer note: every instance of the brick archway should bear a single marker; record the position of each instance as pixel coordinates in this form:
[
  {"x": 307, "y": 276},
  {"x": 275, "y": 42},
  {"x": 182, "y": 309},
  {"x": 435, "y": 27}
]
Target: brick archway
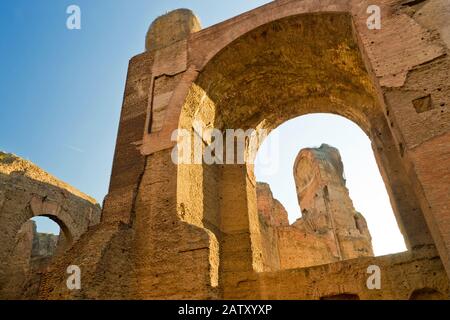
[{"x": 393, "y": 84}]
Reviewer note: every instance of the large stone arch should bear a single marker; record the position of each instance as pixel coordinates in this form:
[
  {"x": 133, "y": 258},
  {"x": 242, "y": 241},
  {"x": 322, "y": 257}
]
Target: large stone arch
[
  {"x": 246, "y": 85},
  {"x": 179, "y": 242}
]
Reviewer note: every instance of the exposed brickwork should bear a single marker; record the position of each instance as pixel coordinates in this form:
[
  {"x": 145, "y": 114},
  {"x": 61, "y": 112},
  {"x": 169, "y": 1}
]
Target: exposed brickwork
[
  {"x": 194, "y": 232},
  {"x": 326, "y": 205},
  {"x": 403, "y": 276},
  {"x": 27, "y": 191},
  {"x": 329, "y": 230}
]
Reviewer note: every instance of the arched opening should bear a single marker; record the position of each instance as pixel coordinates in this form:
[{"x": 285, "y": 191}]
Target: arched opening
[
  {"x": 427, "y": 294},
  {"x": 37, "y": 242},
  {"x": 288, "y": 68},
  {"x": 293, "y": 164}
]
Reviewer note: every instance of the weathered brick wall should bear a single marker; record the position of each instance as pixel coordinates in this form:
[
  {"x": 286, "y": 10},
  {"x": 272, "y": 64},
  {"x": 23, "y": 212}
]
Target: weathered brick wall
[
  {"x": 326, "y": 205},
  {"x": 234, "y": 75},
  {"x": 32, "y": 252},
  {"x": 27, "y": 191},
  {"x": 272, "y": 216},
  {"x": 128, "y": 165},
  {"x": 329, "y": 230},
  {"x": 403, "y": 276}
]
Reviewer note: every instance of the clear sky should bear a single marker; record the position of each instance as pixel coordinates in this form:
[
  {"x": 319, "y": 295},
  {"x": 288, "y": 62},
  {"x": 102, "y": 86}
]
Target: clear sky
[{"x": 62, "y": 90}]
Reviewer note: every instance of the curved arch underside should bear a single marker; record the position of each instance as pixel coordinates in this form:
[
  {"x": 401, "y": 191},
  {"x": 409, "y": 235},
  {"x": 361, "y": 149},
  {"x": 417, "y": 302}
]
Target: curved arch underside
[{"x": 303, "y": 64}]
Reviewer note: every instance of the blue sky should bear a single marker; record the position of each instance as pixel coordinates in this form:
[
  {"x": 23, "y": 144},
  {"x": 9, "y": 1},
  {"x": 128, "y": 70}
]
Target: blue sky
[{"x": 62, "y": 89}]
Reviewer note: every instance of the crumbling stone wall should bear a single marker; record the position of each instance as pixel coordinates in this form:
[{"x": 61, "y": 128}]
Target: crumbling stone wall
[
  {"x": 272, "y": 216},
  {"x": 44, "y": 245},
  {"x": 329, "y": 230},
  {"x": 327, "y": 210},
  {"x": 411, "y": 275},
  {"x": 167, "y": 234},
  {"x": 27, "y": 191}
]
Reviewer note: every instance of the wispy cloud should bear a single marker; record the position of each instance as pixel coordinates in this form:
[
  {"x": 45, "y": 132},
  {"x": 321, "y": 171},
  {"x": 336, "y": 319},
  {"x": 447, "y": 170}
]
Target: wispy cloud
[{"x": 73, "y": 148}]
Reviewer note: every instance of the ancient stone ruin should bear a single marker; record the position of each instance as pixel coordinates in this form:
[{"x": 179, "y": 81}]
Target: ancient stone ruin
[
  {"x": 26, "y": 191},
  {"x": 180, "y": 231},
  {"x": 329, "y": 230},
  {"x": 43, "y": 245}
]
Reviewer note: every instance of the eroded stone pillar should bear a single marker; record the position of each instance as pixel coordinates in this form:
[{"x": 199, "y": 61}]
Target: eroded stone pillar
[
  {"x": 327, "y": 209},
  {"x": 404, "y": 201}
]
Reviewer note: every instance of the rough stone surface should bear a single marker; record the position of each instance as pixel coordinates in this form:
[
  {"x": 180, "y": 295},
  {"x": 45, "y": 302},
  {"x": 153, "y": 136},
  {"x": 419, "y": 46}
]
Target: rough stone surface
[
  {"x": 170, "y": 28},
  {"x": 31, "y": 254},
  {"x": 411, "y": 275},
  {"x": 185, "y": 231},
  {"x": 44, "y": 245},
  {"x": 330, "y": 229},
  {"x": 27, "y": 191},
  {"x": 270, "y": 209}
]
